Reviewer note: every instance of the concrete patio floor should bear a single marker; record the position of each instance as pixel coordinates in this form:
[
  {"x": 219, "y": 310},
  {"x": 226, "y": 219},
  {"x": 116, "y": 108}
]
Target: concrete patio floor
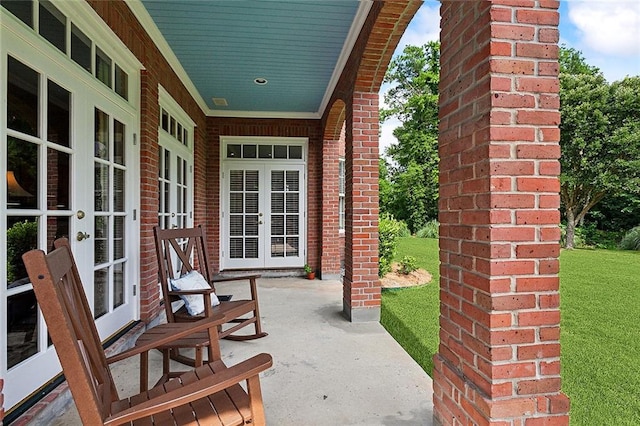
[{"x": 326, "y": 370}]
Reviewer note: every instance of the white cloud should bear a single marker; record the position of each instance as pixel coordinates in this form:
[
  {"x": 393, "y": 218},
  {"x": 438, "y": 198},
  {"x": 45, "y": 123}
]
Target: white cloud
[{"x": 608, "y": 27}]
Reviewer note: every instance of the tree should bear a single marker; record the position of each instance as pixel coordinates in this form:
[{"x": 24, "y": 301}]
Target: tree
[
  {"x": 599, "y": 137},
  {"x": 413, "y": 99}
]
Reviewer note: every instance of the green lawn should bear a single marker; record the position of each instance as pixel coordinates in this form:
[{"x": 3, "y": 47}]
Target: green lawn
[{"x": 600, "y": 302}]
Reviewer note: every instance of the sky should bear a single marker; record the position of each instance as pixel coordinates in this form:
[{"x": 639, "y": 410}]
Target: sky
[{"x": 607, "y": 32}]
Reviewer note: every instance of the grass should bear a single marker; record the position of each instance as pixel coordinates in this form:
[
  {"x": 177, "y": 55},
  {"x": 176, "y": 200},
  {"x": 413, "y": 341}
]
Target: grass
[{"x": 600, "y": 337}]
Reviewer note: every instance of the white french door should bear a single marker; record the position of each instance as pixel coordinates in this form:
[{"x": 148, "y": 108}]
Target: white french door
[
  {"x": 70, "y": 161},
  {"x": 263, "y": 215}
]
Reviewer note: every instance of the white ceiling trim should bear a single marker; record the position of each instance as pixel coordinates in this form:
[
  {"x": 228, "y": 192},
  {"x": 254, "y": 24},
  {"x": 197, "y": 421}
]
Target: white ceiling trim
[
  {"x": 265, "y": 114},
  {"x": 152, "y": 29},
  {"x": 350, "y": 41}
]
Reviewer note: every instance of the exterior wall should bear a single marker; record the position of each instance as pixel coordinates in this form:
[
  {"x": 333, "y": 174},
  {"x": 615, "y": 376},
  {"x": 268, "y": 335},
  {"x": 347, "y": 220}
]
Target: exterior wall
[
  {"x": 499, "y": 355},
  {"x": 217, "y": 127}
]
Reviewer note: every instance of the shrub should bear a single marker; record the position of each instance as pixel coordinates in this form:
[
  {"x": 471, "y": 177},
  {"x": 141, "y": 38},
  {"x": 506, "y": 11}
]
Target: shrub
[
  {"x": 578, "y": 239},
  {"x": 388, "y": 232},
  {"x": 21, "y": 237},
  {"x": 430, "y": 230},
  {"x": 408, "y": 264},
  {"x": 631, "y": 240},
  {"x": 404, "y": 229}
]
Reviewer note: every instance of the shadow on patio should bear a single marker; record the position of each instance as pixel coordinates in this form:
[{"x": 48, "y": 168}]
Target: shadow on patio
[{"x": 326, "y": 370}]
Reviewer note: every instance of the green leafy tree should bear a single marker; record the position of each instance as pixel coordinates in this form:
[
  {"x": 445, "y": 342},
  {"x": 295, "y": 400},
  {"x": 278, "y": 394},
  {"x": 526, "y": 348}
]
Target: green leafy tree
[
  {"x": 599, "y": 137},
  {"x": 413, "y": 99}
]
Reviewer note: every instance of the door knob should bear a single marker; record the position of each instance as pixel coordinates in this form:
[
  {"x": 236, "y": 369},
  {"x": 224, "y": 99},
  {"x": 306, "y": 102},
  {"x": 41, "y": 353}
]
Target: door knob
[{"x": 82, "y": 236}]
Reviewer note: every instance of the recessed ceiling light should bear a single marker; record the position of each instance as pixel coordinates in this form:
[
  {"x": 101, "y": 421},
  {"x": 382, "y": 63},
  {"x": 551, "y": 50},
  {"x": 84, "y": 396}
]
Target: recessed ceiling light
[
  {"x": 260, "y": 81},
  {"x": 219, "y": 101}
]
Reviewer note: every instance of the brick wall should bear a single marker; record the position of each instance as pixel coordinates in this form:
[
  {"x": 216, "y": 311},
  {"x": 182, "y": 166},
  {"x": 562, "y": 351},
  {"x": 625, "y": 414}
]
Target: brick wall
[{"x": 499, "y": 355}]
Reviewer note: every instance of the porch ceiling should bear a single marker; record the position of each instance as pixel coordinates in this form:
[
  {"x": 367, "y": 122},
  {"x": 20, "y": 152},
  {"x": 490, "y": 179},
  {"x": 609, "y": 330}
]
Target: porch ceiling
[{"x": 220, "y": 47}]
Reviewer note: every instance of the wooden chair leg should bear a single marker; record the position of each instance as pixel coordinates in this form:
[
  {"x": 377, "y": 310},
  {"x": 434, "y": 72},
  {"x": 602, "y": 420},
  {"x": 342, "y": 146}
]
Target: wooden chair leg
[{"x": 255, "y": 401}]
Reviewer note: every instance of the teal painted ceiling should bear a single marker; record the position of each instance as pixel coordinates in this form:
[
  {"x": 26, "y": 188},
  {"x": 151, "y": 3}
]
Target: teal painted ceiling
[{"x": 223, "y": 46}]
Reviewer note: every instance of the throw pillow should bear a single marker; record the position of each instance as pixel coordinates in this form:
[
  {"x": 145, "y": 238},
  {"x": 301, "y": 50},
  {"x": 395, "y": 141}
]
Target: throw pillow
[{"x": 193, "y": 281}]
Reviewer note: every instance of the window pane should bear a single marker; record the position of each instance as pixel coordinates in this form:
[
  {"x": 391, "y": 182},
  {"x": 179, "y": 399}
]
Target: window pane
[
  {"x": 22, "y": 327},
  {"x": 53, "y": 25},
  {"x": 80, "y": 48},
  {"x": 101, "y": 187},
  {"x": 121, "y": 83},
  {"x": 103, "y": 67},
  {"x": 248, "y": 151},
  {"x": 22, "y": 9},
  {"x": 264, "y": 151},
  {"x": 57, "y": 180},
  {"x": 118, "y": 142},
  {"x": 293, "y": 246},
  {"x": 58, "y": 114},
  {"x": 22, "y": 98},
  {"x": 234, "y": 151},
  {"x": 295, "y": 152},
  {"x": 22, "y": 174},
  {"x": 22, "y": 236},
  {"x": 277, "y": 247},
  {"x": 101, "y": 243},
  {"x": 280, "y": 151},
  {"x": 100, "y": 292}
]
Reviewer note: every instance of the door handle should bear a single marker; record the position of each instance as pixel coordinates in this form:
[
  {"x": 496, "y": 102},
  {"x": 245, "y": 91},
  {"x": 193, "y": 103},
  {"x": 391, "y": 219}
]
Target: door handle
[{"x": 82, "y": 236}]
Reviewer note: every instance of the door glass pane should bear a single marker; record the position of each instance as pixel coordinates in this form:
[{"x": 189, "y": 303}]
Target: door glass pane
[
  {"x": 22, "y": 236},
  {"x": 57, "y": 180},
  {"x": 100, "y": 292},
  {"x": 251, "y": 183},
  {"x": 277, "y": 180},
  {"x": 236, "y": 248},
  {"x": 80, "y": 48},
  {"x": 251, "y": 248},
  {"x": 118, "y": 190},
  {"x": 277, "y": 202},
  {"x": 101, "y": 241},
  {"x": 251, "y": 225},
  {"x": 118, "y": 237},
  {"x": 101, "y": 187},
  {"x": 293, "y": 246},
  {"x": 53, "y": 25},
  {"x": 293, "y": 180},
  {"x": 57, "y": 227},
  {"x": 22, "y": 327},
  {"x": 101, "y": 135},
  {"x": 118, "y": 284},
  {"x": 22, "y": 98},
  {"x": 118, "y": 142},
  {"x": 22, "y": 174},
  {"x": 22, "y": 9},
  {"x": 251, "y": 202},
  {"x": 277, "y": 224},
  {"x": 236, "y": 225},
  {"x": 58, "y": 114},
  {"x": 236, "y": 180},
  {"x": 277, "y": 246}
]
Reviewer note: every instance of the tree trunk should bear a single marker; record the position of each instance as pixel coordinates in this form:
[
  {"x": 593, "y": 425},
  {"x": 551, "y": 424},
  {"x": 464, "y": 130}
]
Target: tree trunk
[{"x": 571, "y": 229}]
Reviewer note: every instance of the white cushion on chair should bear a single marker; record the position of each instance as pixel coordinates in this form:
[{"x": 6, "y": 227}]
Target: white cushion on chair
[{"x": 193, "y": 281}]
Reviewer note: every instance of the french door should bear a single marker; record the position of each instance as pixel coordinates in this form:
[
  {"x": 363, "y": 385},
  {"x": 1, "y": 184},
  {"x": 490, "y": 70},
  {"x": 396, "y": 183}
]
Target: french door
[
  {"x": 70, "y": 163},
  {"x": 263, "y": 216}
]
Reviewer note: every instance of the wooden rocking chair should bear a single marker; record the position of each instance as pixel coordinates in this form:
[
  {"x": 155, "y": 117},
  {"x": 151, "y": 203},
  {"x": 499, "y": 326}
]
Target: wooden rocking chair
[
  {"x": 182, "y": 250},
  {"x": 210, "y": 394}
]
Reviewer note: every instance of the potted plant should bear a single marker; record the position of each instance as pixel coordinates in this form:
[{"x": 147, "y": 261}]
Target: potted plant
[{"x": 311, "y": 275}]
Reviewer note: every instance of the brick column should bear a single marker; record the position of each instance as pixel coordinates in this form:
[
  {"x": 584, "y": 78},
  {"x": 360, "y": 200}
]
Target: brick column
[
  {"x": 361, "y": 289},
  {"x": 330, "y": 248},
  {"x": 499, "y": 355},
  {"x": 150, "y": 112}
]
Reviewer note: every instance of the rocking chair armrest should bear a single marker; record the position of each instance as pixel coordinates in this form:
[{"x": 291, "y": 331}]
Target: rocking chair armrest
[
  {"x": 202, "y": 291},
  {"x": 174, "y": 331},
  {"x": 209, "y": 385},
  {"x": 220, "y": 279}
]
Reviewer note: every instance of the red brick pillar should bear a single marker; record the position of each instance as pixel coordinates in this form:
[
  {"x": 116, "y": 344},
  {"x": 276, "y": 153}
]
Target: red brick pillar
[
  {"x": 361, "y": 289},
  {"x": 150, "y": 113},
  {"x": 330, "y": 255},
  {"x": 499, "y": 355}
]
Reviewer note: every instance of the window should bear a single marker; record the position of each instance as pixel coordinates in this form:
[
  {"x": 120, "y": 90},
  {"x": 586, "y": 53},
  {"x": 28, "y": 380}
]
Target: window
[{"x": 341, "y": 194}]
